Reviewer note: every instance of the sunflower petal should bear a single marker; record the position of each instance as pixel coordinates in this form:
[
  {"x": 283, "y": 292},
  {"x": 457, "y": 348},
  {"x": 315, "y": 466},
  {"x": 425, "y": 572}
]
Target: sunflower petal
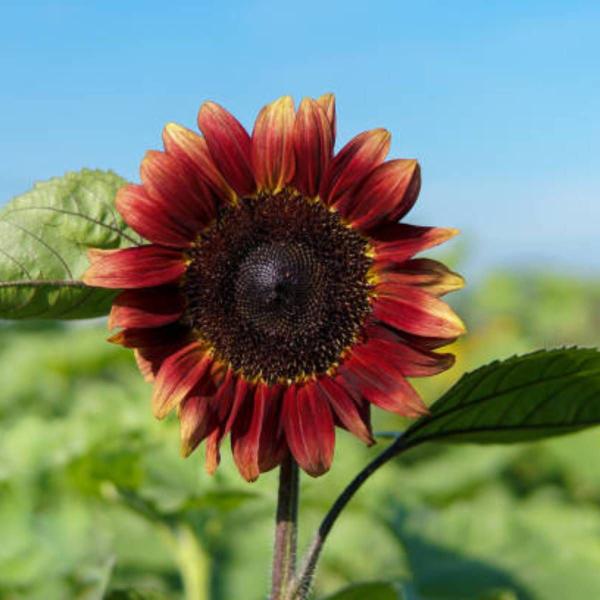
[
  {"x": 149, "y": 308},
  {"x": 149, "y": 359},
  {"x": 327, "y": 103},
  {"x": 309, "y": 428},
  {"x": 199, "y": 412},
  {"x": 182, "y": 198},
  {"x": 382, "y": 385},
  {"x": 245, "y": 435},
  {"x": 415, "y": 311},
  {"x": 386, "y": 195},
  {"x": 409, "y": 360},
  {"x": 351, "y": 165},
  {"x": 196, "y": 421},
  {"x": 137, "y": 267},
  {"x": 149, "y": 337},
  {"x": 192, "y": 149},
  {"x": 226, "y": 410},
  {"x": 272, "y": 444},
  {"x": 273, "y": 145},
  {"x": 431, "y": 275},
  {"x": 313, "y": 144},
  {"x": 230, "y": 146},
  {"x": 152, "y": 219},
  {"x": 242, "y": 395},
  {"x": 178, "y": 375},
  {"x": 345, "y": 409},
  {"x": 212, "y": 458},
  {"x": 397, "y": 242}
]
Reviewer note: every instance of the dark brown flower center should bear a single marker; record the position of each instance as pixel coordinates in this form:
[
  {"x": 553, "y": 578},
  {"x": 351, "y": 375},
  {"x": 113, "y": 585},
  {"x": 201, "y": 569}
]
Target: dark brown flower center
[{"x": 278, "y": 286}]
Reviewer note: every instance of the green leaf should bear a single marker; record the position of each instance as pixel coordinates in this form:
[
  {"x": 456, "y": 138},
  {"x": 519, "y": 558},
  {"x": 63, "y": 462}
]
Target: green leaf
[
  {"x": 379, "y": 590},
  {"x": 44, "y": 237},
  {"x": 523, "y": 398}
]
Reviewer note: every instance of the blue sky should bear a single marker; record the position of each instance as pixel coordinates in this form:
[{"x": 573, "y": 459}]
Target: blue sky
[{"x": 500, "y": 101}]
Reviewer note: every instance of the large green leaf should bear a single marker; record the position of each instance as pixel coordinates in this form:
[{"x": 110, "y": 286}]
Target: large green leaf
[
  {"x": 44, "y": 238},
  {"x": 523, "y": 398}
]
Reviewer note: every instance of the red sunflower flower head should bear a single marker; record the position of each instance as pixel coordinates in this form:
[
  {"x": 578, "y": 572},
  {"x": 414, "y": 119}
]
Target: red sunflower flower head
[{"x": 278, "y": 295}]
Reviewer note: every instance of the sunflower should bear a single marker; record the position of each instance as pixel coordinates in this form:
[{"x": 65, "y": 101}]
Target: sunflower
[{"x": 278, "y": 296}]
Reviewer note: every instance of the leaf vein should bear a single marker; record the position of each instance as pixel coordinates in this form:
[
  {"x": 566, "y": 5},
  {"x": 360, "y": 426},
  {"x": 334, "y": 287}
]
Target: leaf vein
[
  {"x": 113, "y": 228},
  {"x": 436, "y": 417},
  {"x": 43, "y": 243}
]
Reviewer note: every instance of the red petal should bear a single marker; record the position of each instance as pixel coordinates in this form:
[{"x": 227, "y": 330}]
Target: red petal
[
  {"x": 417, "y": 312},
  {"x": 313, "y": 144},
  {"x": 199, "y": 411},
  {"x": 242, "y": 395},
  {"x": 409, "y": 360},
  {"x": 224, "y": 397},
  {"x": 257, "y": 437},
  {"x": 351, "y": 165},
  {"x": 346, "y": 409},
  {"x": 426, "y": 343},
  {"x": 152, "y": 218},
  {"x": 180, "y": 197},
  {"x": 226, "y": 410},
  {"x": 147, "y": 366},
  {"x": 213, "y": 451},
  {"x": 245, "y": 435},
  {"x": 229, "y": 145},
  {"x": 150, "y": 307},
  {"x": 149, "y": 360},
  {"x": 429, "y": 274},
  {"x": 192, "y": 149},
  {"x": 386, "y": 195},
  {"x": 196, "y": 421},
  {"x": 273, "y": 145},
  {"x": 309, "y": 428},
  {"x": 137, "y": 267},
  {"x": 272, "y": 445},
  {"x": 327, "y": 103},
  {"x": 382, "y": 385},
  {"x": 151, "y": 337},
  {"x": 177, "y": 376},
  {"x": 397, "y": 242},
  {"x": 153, "y": 346}
]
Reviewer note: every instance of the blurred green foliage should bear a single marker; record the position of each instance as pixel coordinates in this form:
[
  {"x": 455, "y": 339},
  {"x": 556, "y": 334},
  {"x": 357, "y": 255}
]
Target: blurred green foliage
[{"x": 95, "y": 501}]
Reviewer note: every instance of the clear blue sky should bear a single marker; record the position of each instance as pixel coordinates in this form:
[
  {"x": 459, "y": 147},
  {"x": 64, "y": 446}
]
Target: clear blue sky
[{"x": 500, "y": 101}]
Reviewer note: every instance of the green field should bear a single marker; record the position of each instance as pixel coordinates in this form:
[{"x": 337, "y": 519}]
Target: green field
[{"x": 96, "y": 502}]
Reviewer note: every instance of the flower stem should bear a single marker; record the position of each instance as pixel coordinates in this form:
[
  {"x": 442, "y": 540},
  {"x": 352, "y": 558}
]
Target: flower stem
[
  {"x": 284, "y": 553},
  {"x": 300, "y": 587}
]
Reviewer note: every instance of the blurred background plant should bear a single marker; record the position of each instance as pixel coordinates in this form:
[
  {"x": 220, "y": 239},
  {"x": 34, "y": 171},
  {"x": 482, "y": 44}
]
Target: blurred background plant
[{"x": 96, "y": 502}]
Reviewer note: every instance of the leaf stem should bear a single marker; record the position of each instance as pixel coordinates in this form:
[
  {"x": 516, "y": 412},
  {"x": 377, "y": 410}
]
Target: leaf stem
[
  {"x": 300, "y": 587},
  {"x": 284, "y": 553}
]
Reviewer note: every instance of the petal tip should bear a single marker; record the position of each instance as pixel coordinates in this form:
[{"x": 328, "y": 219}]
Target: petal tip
[
  {"x": 382, "y": 134},
  {"x": 159, "y": 409},
  {"x": 117, "y": 338},
  {"x": 185, "y": 449}
]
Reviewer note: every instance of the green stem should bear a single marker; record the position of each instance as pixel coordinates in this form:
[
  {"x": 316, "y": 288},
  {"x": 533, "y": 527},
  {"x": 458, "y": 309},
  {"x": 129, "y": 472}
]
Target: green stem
[
  {"x": 300, "y": 586},
  {"x": 284, "y": 552}
]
